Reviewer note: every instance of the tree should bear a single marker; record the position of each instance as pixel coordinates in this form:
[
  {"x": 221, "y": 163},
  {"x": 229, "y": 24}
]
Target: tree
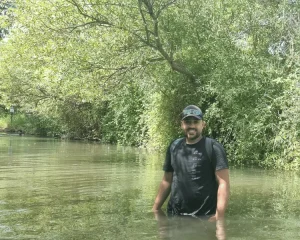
[{"x": 127, "y": 69}]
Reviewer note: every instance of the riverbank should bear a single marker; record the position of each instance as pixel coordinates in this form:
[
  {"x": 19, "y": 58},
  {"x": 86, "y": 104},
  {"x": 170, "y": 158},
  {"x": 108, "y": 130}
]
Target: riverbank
[
  {"x": 14, "y": 132},
  {"x": 6, "y": 131}
]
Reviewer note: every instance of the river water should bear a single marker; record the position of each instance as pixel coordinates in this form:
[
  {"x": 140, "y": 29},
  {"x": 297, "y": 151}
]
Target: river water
[{"x": 53, "y": 189}]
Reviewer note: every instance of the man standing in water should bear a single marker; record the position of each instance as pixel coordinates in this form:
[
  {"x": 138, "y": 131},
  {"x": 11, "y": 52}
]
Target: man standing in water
[{"x": 196, "y": 172}]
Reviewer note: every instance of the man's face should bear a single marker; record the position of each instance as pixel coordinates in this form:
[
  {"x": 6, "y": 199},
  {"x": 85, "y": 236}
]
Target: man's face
[{"x": 192, "y": 127}]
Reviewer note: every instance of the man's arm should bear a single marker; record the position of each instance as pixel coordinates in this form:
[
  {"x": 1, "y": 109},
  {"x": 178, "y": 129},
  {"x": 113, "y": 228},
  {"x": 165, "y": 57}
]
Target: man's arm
[
  {"x": 164, "y": 191},
  {"x": 223, "y": 192}
]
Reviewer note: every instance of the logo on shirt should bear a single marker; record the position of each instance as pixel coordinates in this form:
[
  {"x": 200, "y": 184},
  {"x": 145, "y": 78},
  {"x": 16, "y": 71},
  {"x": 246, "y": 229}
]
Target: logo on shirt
[{"x": 197, "y": 156}]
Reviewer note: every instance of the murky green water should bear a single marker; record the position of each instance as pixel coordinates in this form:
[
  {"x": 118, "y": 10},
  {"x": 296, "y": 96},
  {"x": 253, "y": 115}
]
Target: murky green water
[{"x": 52, "y": 189}]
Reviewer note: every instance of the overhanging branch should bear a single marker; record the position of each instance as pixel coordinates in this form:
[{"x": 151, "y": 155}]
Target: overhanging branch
[{"x": 175, "y": 64}]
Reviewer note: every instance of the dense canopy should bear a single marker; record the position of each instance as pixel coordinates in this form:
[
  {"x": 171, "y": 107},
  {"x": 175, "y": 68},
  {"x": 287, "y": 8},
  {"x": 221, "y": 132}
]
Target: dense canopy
[{"x": 122, "y": 71}]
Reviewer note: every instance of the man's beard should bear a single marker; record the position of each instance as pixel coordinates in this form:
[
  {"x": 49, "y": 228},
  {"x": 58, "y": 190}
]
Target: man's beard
[{"x": 194, "y": 136}]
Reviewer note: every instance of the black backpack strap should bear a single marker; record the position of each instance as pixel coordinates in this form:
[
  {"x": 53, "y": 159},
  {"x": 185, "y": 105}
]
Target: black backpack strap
[
  {"x": 175, "y": 143},
  {"x": 209, "y": 145}
]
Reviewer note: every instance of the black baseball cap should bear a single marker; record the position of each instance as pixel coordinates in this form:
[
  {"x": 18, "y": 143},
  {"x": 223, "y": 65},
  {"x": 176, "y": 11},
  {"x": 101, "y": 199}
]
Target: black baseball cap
[{"x": 192, "y": 111}]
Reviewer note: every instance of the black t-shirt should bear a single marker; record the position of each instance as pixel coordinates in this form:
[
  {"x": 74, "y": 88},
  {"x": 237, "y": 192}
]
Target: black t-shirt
[{"x": 194, "y": 186}]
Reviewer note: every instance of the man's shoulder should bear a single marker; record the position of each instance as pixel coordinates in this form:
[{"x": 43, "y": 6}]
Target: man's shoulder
[
  {"x": 210, "y": 139},
  {"x": 177, "y": 140},
  {"x": 175, "y": 143},
  {"x": 213, "y": 141}
]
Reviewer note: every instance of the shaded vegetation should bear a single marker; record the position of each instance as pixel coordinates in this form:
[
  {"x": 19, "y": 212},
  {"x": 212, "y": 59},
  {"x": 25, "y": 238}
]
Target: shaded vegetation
[{"x": 122, "y": 71}]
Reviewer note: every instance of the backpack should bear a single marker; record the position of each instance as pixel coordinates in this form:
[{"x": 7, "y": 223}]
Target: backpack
[{"x": 208, "y": 147}]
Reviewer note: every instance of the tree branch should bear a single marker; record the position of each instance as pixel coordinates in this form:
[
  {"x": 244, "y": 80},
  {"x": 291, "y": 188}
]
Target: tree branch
[
  {"x": 81, "y": 11},
  {"x": 164, "y": 7},
  {"x": 144, "y": 20},
  {"x": 175, "y": 65},
  {"x": 81, "y": 25},
  {"x": 156, "y": 44}
]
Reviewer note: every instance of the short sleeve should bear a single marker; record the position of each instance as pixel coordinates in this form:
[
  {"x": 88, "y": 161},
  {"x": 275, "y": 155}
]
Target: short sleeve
[
  {"x": 220, "y": 156},
  {"x": 167, "y": 165}
]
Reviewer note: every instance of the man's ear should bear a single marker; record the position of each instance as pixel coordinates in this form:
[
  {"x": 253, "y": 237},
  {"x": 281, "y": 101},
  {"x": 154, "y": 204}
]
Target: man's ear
[{"x": 203, "y": 124}]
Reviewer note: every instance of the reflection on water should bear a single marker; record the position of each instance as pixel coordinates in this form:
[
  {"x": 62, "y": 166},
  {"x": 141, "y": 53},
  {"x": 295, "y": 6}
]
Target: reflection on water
[{"x": 52, "y": 189}]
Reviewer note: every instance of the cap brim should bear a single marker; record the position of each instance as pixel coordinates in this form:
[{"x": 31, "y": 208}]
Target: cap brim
[{"x": 191, "y": 115}]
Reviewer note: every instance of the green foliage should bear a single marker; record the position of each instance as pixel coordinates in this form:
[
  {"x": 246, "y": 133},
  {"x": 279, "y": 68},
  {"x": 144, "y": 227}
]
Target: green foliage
[
  {"x": 35, "y": 124},
  {"x": 124, "y": 123},
  {"x": 285, "y": 145},
  {"x": 122, "y": 72}
]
